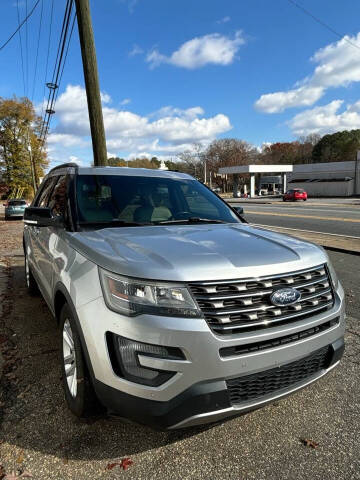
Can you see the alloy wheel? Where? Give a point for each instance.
(69, 358)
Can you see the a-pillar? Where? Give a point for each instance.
(284, 186)
(252, 185)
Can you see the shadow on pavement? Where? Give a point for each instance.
(36, 417)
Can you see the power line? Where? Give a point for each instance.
(37, 50)
(53, 86)
(66, 53)
(21, 48)
(27, 48)
(47, 56)
(21, 24)
(61, 56)
(325, 25)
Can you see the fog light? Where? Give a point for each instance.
(128, 365)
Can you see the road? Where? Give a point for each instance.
(327, 218)
(38, 434)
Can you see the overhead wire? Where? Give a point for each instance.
(21, 47)
(55, 75)
(61, 56)
(47, 56)
(37, 50)
(66, 53)
(20, 25)
(26, 48)
(325, 25)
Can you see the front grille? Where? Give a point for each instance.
(237, 306)
(237, 350)
(251, 387)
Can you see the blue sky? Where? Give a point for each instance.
(180, 71)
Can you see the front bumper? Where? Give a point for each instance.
(200, 404)
(14, 214)
(198, 393)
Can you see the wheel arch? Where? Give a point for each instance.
(62, 297)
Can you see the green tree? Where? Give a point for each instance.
(116, 162)
(20, 131)
(337, 147)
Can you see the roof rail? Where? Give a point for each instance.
(64, 165)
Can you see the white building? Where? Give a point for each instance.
(332, 179)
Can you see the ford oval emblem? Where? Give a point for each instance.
(285, 296)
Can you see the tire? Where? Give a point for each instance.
(305, 199)
(284, 200)
(79, 392)
(30, 281)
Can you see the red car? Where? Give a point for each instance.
(295, 194)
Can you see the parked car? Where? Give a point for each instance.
(15, 208)
(295, 194)
(172, 311)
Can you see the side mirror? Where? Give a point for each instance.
(239, 210)
(41, 217)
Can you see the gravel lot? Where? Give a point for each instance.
(39, 435)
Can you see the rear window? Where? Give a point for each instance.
(16, 203)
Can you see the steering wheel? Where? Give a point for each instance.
(182, 215)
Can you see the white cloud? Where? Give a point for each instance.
(279, 101)
(338, 65)
(170, 111)
(65, 139)
(224, 20)
(136, 50)
(169, 130)
(326, 119)
(213, 49)
(126, 101)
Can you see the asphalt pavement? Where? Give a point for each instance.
(332, 218)
(39, 435)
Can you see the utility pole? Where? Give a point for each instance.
(88, 54)
(31, 159)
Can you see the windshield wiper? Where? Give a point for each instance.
(191, 220)
(113, 223)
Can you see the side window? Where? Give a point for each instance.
(58, 199)
(197, 203)
(43, 198)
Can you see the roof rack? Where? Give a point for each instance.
(64, 165)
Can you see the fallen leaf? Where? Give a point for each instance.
(126, 463)
(309, 443)
(20, 458)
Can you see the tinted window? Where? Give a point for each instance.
(58, 198)
(43, 198)
(16, 203)
(107, 198)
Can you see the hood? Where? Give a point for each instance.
(195, 252)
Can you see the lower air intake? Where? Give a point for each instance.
(251, 387)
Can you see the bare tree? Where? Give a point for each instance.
(228, 152)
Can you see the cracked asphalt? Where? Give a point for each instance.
(38, 434)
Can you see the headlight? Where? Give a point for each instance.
(133, 297)
(333, 275)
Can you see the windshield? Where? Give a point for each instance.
(135, 200)
(16, 203)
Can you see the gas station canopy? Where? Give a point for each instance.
(252, 169)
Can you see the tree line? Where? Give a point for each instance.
(23, 159)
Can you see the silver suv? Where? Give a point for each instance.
(172, 310)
